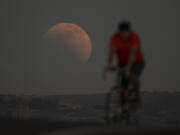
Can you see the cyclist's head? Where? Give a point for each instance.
(124, 28)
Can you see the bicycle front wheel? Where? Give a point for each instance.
(113, 109)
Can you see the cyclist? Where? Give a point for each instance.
(125, 44)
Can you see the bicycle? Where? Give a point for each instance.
(114, 112)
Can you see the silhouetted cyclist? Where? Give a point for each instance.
(126, 45)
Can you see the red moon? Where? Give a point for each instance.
(72, 37)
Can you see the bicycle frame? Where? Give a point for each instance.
(114, 109)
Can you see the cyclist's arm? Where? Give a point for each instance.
(132, 57)
(111, 56)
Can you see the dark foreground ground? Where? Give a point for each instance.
(43, 127)
(35, 127)
(84, 115)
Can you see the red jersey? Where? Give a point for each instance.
(123, 47)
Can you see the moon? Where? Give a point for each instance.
(71, 36)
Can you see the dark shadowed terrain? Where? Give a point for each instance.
(84, 114)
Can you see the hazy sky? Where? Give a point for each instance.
(30, 65)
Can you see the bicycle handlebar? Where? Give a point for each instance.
(105, 71)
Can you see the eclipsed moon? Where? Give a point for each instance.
(72, 37)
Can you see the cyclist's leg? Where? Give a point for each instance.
(124, 91)
(135, 80)
(135, 74)
(119, 83)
